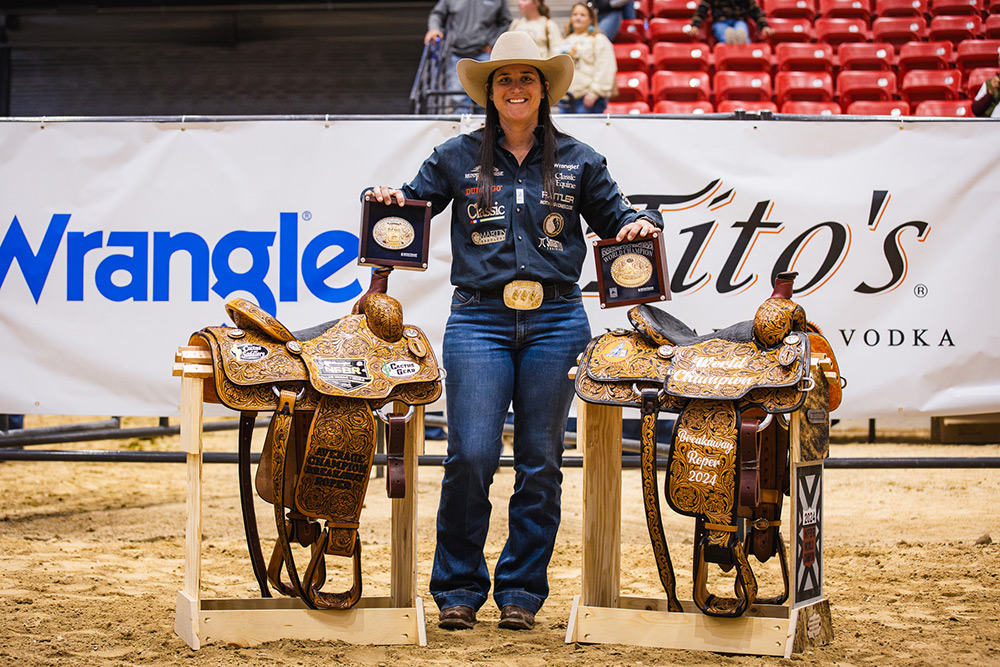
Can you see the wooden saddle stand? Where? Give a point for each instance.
(729, 464)
(323, 387)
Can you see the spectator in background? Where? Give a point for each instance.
(729, 20)
(594, 57)
(471, 28)
(611, 13)
(535, 20)
(985, 103)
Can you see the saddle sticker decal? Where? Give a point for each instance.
(393, 233)
(249, 352)
(344, 373)
(619, 348)
(400, 369)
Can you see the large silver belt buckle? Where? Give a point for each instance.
(523, 294)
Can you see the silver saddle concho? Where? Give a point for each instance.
(322, 386)
(728, 459)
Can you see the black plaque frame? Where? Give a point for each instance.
(413, 256)
(655, 288)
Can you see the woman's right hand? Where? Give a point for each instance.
(386, 194)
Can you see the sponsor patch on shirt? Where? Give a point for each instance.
(489, 236)
(553, 224)
(550, 244)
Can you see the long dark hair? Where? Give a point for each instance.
(487, 152)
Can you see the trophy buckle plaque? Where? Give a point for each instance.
(632, 272)
(393, 235)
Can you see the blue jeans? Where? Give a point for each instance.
(575, 105)
(496, 357)
(459, 104)
(719, 28)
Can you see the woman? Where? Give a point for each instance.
(517, 188)
(985, 103)
(535, 20)
(594, 57)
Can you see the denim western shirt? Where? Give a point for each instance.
(527, 234)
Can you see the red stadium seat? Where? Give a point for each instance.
(855, 85)
(973, 53)
(632, 87)
(845, 9)
(791, 30)
(993, 6)
(632, 30)
(945, 108)
(898, 30)
(680, 86)
(839, 31)
(803, 86)
(956, 7)
(923, 55)
(667, 106)
(670, 30)
(734, 85)
(791, 9)
(901, 8)
(930, 84)
(974, 81)
(954, 28)
(643, 8)
(744, 57)
(811, 108)
(729, 106)
(991, 27)
(802, 57)
(673, 9)
(682, 57)
(627, 107)
(632, 57)
(869, 56)
(878, 108)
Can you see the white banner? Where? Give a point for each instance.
(119, 239)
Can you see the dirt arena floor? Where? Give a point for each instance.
(92, 559)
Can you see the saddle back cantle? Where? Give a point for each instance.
(729, 458)
(324, 386)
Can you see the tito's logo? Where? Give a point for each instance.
(830, 241)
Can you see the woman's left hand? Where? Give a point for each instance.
(641, 228)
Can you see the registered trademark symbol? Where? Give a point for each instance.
(306, 215)
(920, 291)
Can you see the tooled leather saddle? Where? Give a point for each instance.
(323, 385)
(729, 459)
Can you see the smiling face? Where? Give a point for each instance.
(580, 18)
(517, 92)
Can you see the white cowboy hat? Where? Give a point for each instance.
(513, 48)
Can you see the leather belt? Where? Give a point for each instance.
(549, 291)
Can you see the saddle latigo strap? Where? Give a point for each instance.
(651, 498)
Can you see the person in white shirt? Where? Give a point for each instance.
(535, 19)
(594, 56)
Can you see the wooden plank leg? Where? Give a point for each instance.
(186, 622)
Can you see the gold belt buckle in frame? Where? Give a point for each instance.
(522, 294)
